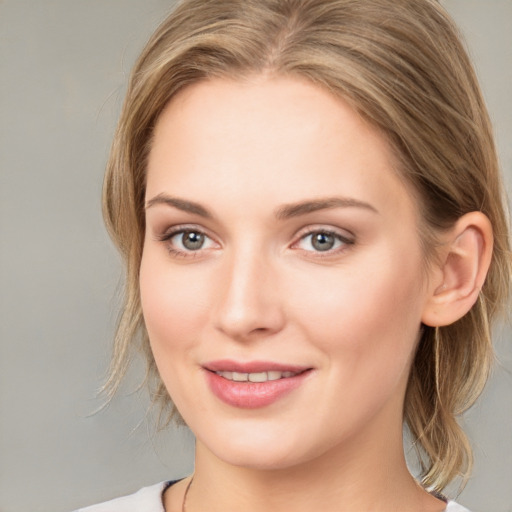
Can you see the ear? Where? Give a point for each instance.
(465, 258)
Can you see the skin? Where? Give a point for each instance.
(258, 289)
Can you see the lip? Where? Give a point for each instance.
(228, 365)
(253, 395)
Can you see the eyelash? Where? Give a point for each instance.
(180, 230)
(344, 240)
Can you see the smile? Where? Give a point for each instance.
(251, 385)
(256, 377)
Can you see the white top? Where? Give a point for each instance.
(149, 499)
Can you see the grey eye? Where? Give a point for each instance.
(323, 241)
(192, 240)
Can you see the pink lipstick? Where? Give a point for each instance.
(254, 384)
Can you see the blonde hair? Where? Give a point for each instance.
(401, 64)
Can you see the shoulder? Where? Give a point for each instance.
(455, 507)
(148, 499)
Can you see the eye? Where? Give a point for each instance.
(182, 241)
(323, 241)
(189, 240)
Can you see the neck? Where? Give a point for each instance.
(362, 475)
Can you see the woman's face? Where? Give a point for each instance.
(282, 279)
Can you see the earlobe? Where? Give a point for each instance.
(464, 265)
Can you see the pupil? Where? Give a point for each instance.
(323, 241)
(193, 240)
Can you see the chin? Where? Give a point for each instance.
(268, 459)
(264, 448)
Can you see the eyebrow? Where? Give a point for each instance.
(283, 212)
(305, 207)
(181, 204)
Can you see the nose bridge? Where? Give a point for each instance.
(248, 301)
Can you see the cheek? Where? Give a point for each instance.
(366, 318)
(366, 327)
(175, 313)
(174, 306)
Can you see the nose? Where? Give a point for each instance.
(249, 304)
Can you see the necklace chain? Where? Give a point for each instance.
(184, 504)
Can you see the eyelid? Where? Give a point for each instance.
(344, 234)
(171, 231)
(346, 237)
(166, 235)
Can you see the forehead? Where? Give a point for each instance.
(273, 138)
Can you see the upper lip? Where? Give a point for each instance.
(228, 365)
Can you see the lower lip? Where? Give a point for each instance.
(252, 395)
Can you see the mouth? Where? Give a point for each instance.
(255, 384)
(256, 376)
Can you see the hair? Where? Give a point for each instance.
(400, 64)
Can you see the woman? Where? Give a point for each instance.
(307, 197)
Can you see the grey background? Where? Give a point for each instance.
(63, 68)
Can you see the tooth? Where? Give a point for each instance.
(258, 377)
(255, 377)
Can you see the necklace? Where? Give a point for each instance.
(183, 505)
